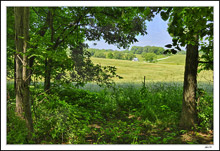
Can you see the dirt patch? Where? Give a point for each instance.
(197, 137)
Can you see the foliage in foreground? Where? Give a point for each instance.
(120, 115)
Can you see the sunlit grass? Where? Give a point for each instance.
(174, 60)
(170, 69)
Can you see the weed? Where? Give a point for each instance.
(126, 114)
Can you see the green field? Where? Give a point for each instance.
(170, 69)
(174, 60)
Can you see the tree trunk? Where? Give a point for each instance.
(48, 61)
(23, 107)
(41, 33)
(15, 73)
(189, 113)
(47, 74)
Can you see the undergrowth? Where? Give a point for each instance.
(118, 115)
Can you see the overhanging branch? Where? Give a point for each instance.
(205, 61)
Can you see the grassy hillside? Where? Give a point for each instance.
(170, 69)
(174, 60)
(142, 59)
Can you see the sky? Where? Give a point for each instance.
(157, 36)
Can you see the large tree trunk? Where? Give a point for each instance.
(23, 107)
(189, 112)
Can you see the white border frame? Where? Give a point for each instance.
(5, 4)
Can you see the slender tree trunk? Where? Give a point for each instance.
(48, 61)
(41, 33)
(47, 74)
(23, 107)
(15, 73)
(189, 113)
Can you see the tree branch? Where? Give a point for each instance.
(20, 59)
(205, 61)
(58, 41)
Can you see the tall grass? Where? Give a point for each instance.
(125, 114)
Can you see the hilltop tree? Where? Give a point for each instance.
(189, 26)
(118, 55)
(99, 54)
(149, 56)
(129, 56)
(110, 55)
(147, 49)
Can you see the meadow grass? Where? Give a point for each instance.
(167, 70)
(140, 58)
(170, 69)
(174, 60)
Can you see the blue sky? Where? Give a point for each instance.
(157, 36)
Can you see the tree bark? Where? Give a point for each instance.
(47, 74)
(15, 72)
(23, 108)
(189, 112)
(48, 61)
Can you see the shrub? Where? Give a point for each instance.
(150, 57)
(16, 127)
(57, 121)
(205, 110)
(110, 55)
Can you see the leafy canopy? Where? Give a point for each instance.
(184, 24)
(53, 30)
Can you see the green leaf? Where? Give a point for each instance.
(147, 11)
(177, 47)
(174, 41)
(173, 51)
(20, 37)
(168, 45)
(165, 52)
(164, 16)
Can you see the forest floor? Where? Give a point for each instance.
(158, 135)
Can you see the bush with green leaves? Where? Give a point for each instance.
(16, 128)
(150, 57)
(56, 121)
(205, 110)
(124, 114)
(92, 101)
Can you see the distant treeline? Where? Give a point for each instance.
(111, 54)
(150, 49)
(147, 49)
(126, 54)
